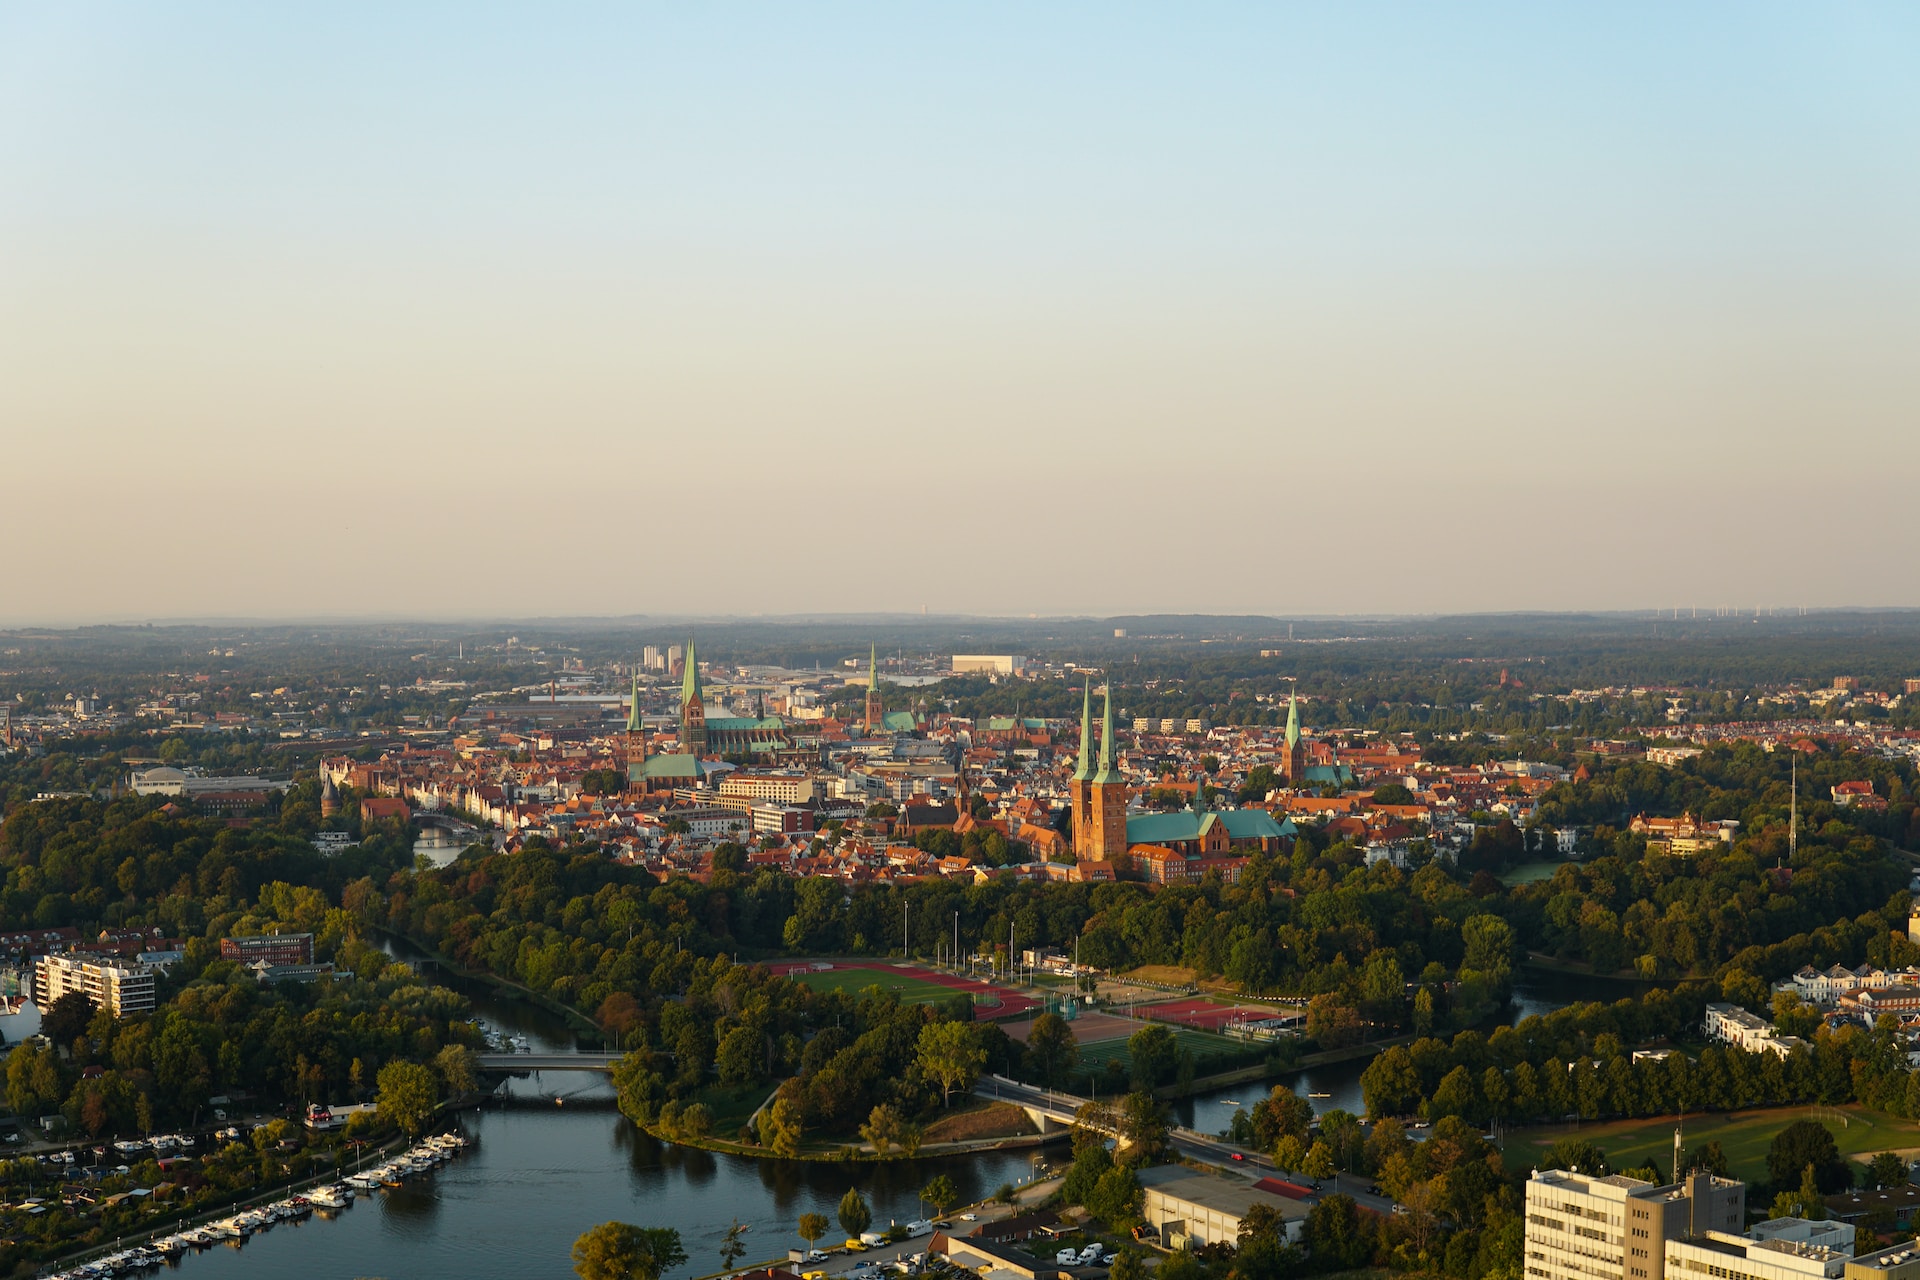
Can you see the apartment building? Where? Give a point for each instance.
(1730, 1024)
(121, 986)
(1618, 1228)
(780, 788)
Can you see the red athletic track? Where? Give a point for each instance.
(1012, 1004)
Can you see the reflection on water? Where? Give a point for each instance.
(1532, 994)
(540, 1175)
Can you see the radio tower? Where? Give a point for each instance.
(1793, 809)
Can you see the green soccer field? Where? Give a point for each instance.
(1101, 1052)
(911, 990)
(1743, 1135)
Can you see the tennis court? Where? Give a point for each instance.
(1205, 1015)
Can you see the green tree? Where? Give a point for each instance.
(1155, 1056)
(951, 1056)
(812, 1226)
(739, 1058)
(1806, 1201)
(780, 1128)
(622, 1251)
(1577, 1155)
(1887, 1170)
(1052, 1050)
(459, 1069)
(1116, 1198)
(882, 1129)
(1802, 1144)
(66, 1019)
(407, 1094)
(940, 1193)
(1129, 1265)
(854, 1213)
(732, 1246)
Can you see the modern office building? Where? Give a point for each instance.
(274, 948)
(1618, 1228)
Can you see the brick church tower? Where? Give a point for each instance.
(1080, 789)
(636, 739)
(1293, 765)
(1107, 798)
(693, 709)
(876, 714)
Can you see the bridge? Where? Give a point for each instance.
(519, 1062)
(1050, 1111)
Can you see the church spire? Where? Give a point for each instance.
(1293, 720)
(1084, 772)
(1106, 774)
(633, 711)
(690, 683)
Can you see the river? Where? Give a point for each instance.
(541, 1174)
(1534, 992)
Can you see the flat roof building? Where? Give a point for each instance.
(1190, 1207)
(120, 986)
(1580, 1227)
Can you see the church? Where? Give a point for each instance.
(1103, 831)
(702, 737)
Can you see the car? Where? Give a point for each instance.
(1373, 1188)
(941, 1224)
(1400, 1208)
(969, 1217)
(813, 1275)
(1067, 1258)
(1236, 1156)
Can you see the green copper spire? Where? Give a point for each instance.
(1293, 720)
(633, 712)
(1084, 772)
(690, 686)
(1106, 773)
(873, 667)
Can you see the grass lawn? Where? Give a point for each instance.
(980, 1120)
(1529, 872)
(731, 1106)
(1101, 1052)
(911, 990)
(1743, 1135)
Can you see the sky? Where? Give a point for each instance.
(486, 310)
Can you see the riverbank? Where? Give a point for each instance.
(209, 1213)
(577, 1022)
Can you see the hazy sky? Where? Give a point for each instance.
(1046, 308)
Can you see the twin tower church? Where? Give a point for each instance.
(1104, 832)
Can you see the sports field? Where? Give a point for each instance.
(911, 983)
(1208, 1015)
(1743, 1135)
(1101, 1052)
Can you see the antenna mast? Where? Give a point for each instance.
(1793, 808)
